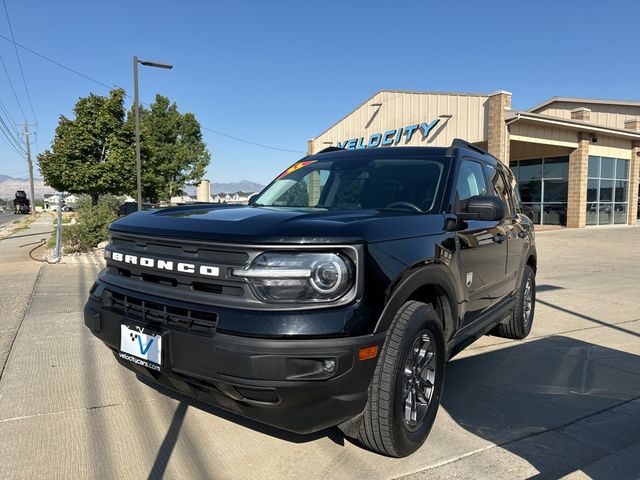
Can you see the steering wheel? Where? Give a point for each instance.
(404, 204)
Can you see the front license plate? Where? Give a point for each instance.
(138, 345)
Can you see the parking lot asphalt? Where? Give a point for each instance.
(564, 402)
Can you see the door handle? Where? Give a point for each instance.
(499, 238)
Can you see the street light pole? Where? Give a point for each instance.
(136, 112)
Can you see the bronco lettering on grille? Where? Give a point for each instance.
(182, 267)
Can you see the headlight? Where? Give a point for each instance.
(279, 277)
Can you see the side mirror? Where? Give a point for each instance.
(252, 198)
(488, 208)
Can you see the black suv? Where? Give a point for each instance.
(334, 298)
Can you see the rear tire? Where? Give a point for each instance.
(404, 394)
(519, 324)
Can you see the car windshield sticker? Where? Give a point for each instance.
(295, 167)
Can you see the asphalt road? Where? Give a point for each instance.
(8, 217)
(564, 402)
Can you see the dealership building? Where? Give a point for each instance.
(577, 160)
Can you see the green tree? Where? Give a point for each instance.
(91, 153)
(172, 151)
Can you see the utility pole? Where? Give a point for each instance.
(30, 163)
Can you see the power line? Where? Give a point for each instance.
(24, 82)
(250, 142)
(12, 142)
(6, 72)
(98, 82)
(44, 57)
(6, 112)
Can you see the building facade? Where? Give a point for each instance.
(577, 160)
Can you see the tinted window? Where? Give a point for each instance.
(499, 186)
(470, 181)
(358, 183)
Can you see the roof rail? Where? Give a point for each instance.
(330, 149)
(458, 142)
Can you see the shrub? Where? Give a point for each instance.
(92, 224)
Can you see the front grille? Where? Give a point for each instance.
(176, 284)
(138, 308)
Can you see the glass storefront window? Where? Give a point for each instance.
(555, 190)
(607, 167)
(594, 167)
(554, 214)
(607, 191)
(620, 213)
(622, 169)
(530, 170)
(556, 168)
(543, 184)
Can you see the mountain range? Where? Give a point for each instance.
(9, 185)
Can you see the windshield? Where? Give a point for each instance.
(359, 183)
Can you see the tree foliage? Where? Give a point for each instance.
(173, 153)
(94, 153)
(90, 153)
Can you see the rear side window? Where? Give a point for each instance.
(470, 183)
(499, 186)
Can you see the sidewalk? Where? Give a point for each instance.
(17, 279)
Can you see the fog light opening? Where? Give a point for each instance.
(329, 366)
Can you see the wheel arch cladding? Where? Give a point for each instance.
(430, 285)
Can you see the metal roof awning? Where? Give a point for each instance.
(578, 125)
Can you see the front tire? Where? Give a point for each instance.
(405, 392)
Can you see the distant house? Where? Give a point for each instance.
(51, 201)
(181, 199)
(237, 198)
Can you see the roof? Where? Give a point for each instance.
(596, 101)
(516, 115)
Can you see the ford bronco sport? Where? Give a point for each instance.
(334, 298)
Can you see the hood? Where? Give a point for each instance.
(248, 224)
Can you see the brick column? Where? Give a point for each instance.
(581, 113)
(578, 173)
(633, 183)
(498, 134)
(310, 147)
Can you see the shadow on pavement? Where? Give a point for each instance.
(586, 317)
(164, 453)
(539, 400)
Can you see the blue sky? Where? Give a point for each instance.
(278, 73)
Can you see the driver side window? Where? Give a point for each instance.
(470, 183)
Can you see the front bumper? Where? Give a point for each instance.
(279, 382)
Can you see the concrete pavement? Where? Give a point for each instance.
(17, 279)
(564, 402)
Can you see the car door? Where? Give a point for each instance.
(512, 227)
(483, 249)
